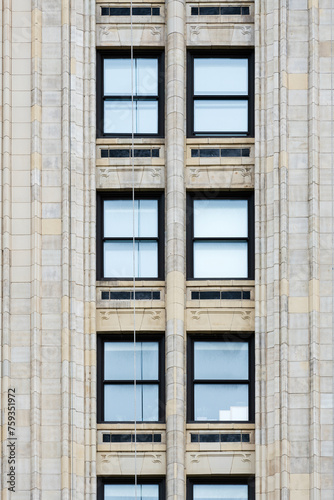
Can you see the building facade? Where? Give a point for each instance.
(207, 152)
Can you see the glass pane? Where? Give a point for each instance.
(147, 117)
(221, 402)
(150, 402)
(118, 218)
(221, 116)
(221, 360)
(149, 361)
(220, 491)
(220, 218)
(221, 259)
(117, 77)
(149, 492)
(127, 492)
(147, 260)
(119, 361)
(220, 76)
(118, 259)
(119, 403)
(147, 77)
(117, 117)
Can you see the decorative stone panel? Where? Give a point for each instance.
(220, 34)
(220, 319)
(220, 463)
(118, 35)
(119, 177)
(148, 463)
(122, 320)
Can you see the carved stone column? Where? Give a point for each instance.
(175, 249)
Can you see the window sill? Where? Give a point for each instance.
(219, 426)
(154, 426)
(128, 284)
(220, 140)
(221, 283)
(127, 140)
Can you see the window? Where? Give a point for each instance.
(115, 241)
(124, 489)
(220, 94)
(116, 397)
(115, 72)
(221, 379)
(220, 241)
(221, 489)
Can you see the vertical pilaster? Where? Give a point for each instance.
(175, 249)
(6, 146)
(281, 133)
(262, 164)
(89, 248)
(314, 240)
(78, 251)
(66, 337)
(272, 252)
(36, 248)
(293, 326)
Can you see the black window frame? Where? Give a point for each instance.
(128, 337)
(103, 480)
(100, 239)
(222, 195)
(226, 54)
(221, 337)
(100, 98)
(223, 479)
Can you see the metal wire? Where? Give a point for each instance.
(133, 250)
(332, 179)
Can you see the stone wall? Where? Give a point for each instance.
(51, 307)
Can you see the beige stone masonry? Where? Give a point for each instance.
(152, 35)
(223, 177)
(121, 320)
(220, 463)
(50, 303)
(148, 463)
(219, 319)
(293, 325)
(219, 34)
(121, 177)
(220, 315)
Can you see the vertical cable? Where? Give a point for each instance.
(332, 179)
(133, 249)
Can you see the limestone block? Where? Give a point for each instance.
(220, 319)
(216, 34)
(120, 35)
(213, 177)
(123, 463)
(121, 177)
(207, 463)
(121, 320)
